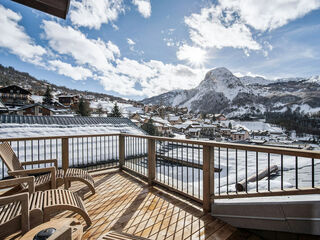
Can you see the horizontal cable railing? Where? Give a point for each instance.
(200, 170)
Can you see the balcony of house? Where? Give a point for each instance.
(162, 188)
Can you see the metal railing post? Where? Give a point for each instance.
(208, 177)
(151, 161)
(65, 153)
(121, 151)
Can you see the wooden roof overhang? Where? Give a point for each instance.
(58, 8)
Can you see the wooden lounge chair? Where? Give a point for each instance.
(27, 210)
(50, 178)
(16, 210)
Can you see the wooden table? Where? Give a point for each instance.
(60, 225)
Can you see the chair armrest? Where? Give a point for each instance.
(54, 161)
(23, 198)
(13, 182)
(35, 171)
(65, 233)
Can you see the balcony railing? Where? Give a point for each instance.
(201, 170)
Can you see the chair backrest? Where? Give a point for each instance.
(9, 158)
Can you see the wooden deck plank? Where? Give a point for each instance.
(126, 205)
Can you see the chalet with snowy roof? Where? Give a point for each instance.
(68, 99)
(193, 133)
(34, 110)
(225, 132)
(14, 95)
(240, 135)
(220, 117)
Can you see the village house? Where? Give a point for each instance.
(239, 135)
(193, 133)
(226, 132)
(68, 99)
(15, 96)
(34, 110)
(220, 117)
(135, 116)
(174, 119)
(207, 130)
(149, 108)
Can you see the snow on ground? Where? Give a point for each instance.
(108, 105)
(305, 108)
(36, 98)
(188, 178)
(254, 126)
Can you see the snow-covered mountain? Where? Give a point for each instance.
(223, 92)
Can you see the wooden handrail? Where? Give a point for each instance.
(253, 148)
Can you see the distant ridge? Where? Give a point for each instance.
(223, 92)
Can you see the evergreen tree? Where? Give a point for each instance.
(115, 111)
(84, 108)
(150, 128)
(47, 97)
(230, 125)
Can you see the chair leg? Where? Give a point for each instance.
(67, 184)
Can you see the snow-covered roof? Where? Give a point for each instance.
(194, 130)
(173, 118)
(13, 126)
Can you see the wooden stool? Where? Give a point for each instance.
(66, 228)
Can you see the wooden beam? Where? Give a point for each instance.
(65, 153)
(58, 8)
(122, 143)
(151, 161)
(207, 155)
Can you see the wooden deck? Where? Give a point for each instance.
(124, 204)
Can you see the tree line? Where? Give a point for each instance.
(293, 120)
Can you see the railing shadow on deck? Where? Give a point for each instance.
(159, 215)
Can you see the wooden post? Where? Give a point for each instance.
(65, 153)
(151, 161)
(121, 151)
(212, 171)
(208, 172)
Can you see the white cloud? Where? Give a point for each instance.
(153, 77)
(266, 15)
(230, 23)
(144, 7)
(94, 52)
(211, 29)
(16, 40)
(130, 41)
(194, 55)
(76, 73)
(93, 13)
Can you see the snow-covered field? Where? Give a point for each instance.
(254, 126)
(124, 107)
(189, 179)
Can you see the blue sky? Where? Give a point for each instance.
(140, 48)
